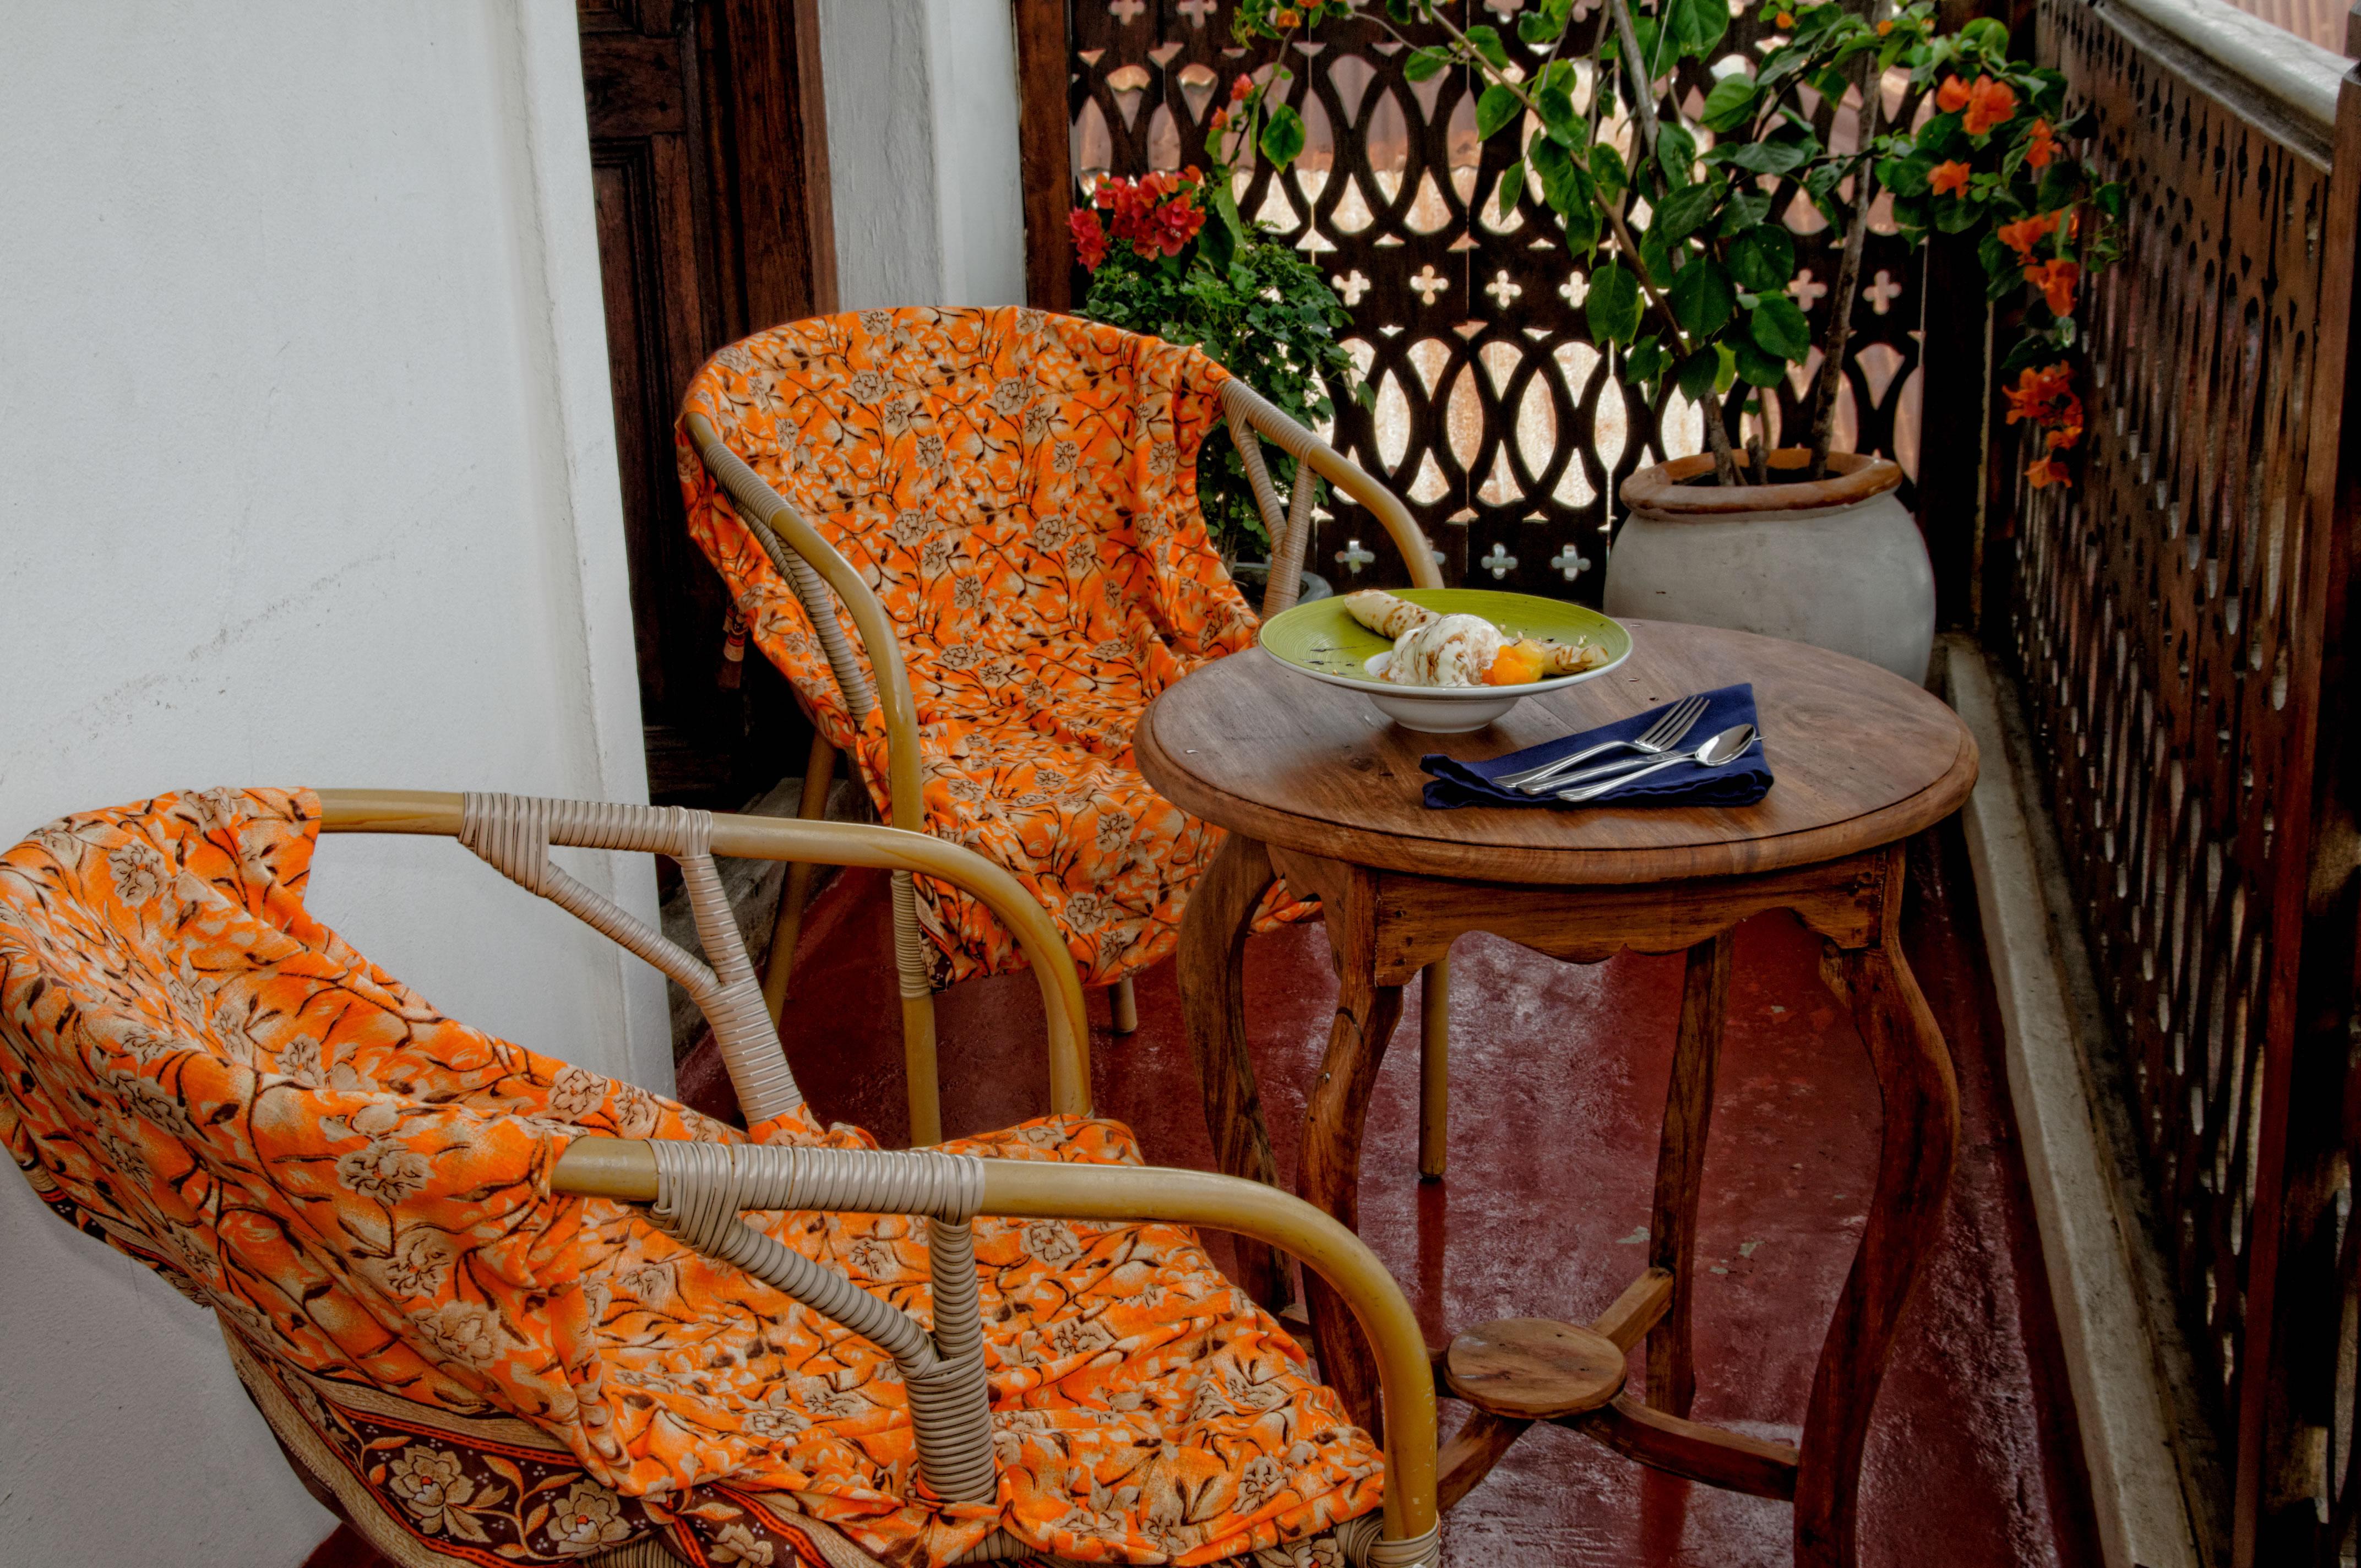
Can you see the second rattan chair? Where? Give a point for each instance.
(971, 540)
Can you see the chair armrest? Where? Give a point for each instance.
(832, 843)
(626, 1169)
(1247, 408)
(758, 502)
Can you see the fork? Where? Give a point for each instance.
(1661, 736)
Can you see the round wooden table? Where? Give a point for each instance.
(1317, 787)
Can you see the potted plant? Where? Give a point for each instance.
(1689, 270)
(1171, 254)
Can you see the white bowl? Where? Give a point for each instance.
(1445, 710)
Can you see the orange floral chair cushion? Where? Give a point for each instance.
(1020, 491)
(200, 1073)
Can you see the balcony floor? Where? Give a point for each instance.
(1559, 1080)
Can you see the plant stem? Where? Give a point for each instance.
(1644, 104)
(1840, 304)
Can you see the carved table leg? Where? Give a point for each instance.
(1328, 1172)
(1914, 1173)
(1680, 1166)
(1213, 991)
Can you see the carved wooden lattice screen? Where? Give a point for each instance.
(1495, 416)
(2170, 618)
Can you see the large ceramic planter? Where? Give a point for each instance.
(1837, 563)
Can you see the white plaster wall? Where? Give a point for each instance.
(307, 475)
(922, 102)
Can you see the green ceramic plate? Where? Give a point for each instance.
(1323, 641)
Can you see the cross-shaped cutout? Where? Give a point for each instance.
(1353, 557)
(1807, 292)
(1503, 289)
(1499, 563)
(1196, 11)
(1125, 11)
(1882, 294)
(1429, 283)
(1575, 289)
(1353, 285)
(1569, 562)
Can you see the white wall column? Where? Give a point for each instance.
(923, 152)
(310, 478)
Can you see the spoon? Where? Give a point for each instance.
(1725, 748)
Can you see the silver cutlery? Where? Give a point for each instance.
(1668, 732)
(1723, 749)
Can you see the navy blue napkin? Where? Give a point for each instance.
(1742, 783)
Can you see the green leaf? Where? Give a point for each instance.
(1487, 44)
(1646, 361)
(1555, 106)
(1749, 267)
(1959, 217)
(1778, 250)
(1512, 186)
(1730, 104)
(1675, 153)
(1656, 257)
(1424, 64)
(1757, 368)
(1725, 369)
(1747, 207)
(1778, 327)
(1552, 162)
(1612, 306)
(2109, 199)
(1539, 29)
(1581, 223)
(1765, 156)
(1607, 172)
(1684, 212)
(1496, 108)
(1698, 372)
(1941, 136)
(1282, 135)
(1708, 24)
(1702, 297)
(1904, 176)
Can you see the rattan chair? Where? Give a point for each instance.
(801, 420)
(176, 1029)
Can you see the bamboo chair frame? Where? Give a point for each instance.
(815, 568)
(696, 1190)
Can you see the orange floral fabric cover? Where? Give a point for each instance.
(1020, 491)
(200, 1073)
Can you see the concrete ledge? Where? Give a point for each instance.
(2092, 1244)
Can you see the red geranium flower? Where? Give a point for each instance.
(1090, 239)
(2041, 147)
(1952, 96)
(1949, 179)
(1989, 103)
(2055, 279)
(2022, 235)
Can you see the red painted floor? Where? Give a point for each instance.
(1557, 1084)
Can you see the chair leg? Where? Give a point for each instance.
(1122, 1006)
(788, 926)
(1434, 1068)
(918, 1016)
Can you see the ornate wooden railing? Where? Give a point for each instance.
(1495, 415)
(2179, 622)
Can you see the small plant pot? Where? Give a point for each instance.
(1838, 563)
(1253, 576)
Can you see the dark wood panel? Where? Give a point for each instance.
(1467, 319)
(709, 162)
(2180, 620)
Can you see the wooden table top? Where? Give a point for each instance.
(1860, 757)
